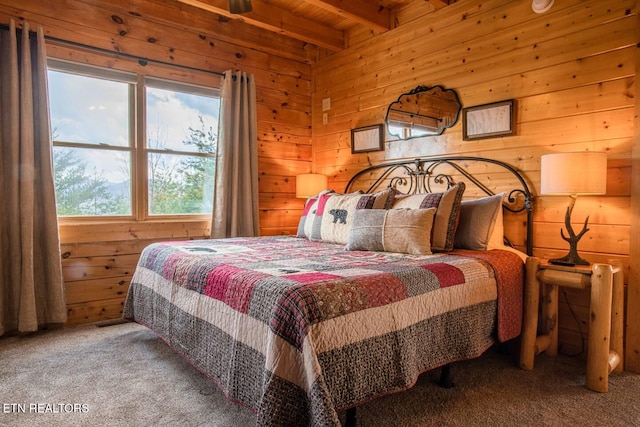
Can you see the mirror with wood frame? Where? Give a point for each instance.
(424, 111)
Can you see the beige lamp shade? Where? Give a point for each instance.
(583, 173)
(310, 184)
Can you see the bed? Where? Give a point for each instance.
(356, 306)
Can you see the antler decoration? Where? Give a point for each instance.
(572, 257)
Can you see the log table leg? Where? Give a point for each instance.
(617, 314)
(599, 328)
(550, 317)
(605, 345)
(530, 316)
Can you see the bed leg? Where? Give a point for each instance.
(352, 418)
(446, 381)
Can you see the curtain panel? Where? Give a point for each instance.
(235, 207)
(32, 289)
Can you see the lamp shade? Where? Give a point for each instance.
(574, 173)
(310, 184)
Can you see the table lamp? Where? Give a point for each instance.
(573, 174)
(310, 184)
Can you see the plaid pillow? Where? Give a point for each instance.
(334, 213)
(447, 216)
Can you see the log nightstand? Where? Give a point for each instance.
(605, 345)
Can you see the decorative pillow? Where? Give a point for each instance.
(334, 213)
(447, 216)
(478, 220)
(308, 213)
(405, 231)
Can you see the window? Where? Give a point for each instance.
(128, 145)
(93, 145)
(181, 145)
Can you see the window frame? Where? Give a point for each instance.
(137, 147)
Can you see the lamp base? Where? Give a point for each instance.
(572, 258)
(569, 260)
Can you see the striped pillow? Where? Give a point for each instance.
(405, 231)
(334, 213)
(447, 216)
(308, 213)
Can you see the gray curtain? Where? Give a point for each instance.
(235, 208)
(32, 290)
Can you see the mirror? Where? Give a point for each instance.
(425, 111)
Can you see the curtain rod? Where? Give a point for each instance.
(142, 61)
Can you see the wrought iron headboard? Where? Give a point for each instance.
(422, 174)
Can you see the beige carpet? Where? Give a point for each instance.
(123, 375)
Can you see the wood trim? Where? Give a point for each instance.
(360, 11)
(633, 296)
(141, 174)
(277, 20)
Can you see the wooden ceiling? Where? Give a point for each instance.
(322, 23)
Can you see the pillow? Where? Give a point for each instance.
(308, 213)
(447, 214)
(334, 213)
(478, 219)
(496, 240)
(405, 231)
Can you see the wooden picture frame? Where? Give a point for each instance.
(367, 138)
(488, 120)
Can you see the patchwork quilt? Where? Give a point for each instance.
(299, 331)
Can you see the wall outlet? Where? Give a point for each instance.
(325, 118)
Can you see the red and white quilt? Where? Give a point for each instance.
(299, 330)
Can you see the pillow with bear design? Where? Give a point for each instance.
(334, 213)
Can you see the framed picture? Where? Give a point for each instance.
(368, 138)
(488, 120)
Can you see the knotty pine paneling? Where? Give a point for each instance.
(108, 288)
(94, 311)
(571, 72)
(98, 261)
(78, 234)
(100, 257)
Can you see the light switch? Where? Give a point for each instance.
(326, 104)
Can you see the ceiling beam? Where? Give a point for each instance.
(278, 20)
(439, 4)
(363, 12)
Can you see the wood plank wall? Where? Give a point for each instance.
(99, 257)
(571, 72)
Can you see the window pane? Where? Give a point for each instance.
(187, 123)
(181, 121)
(180, 184)
(88, 110)
(92, 181)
